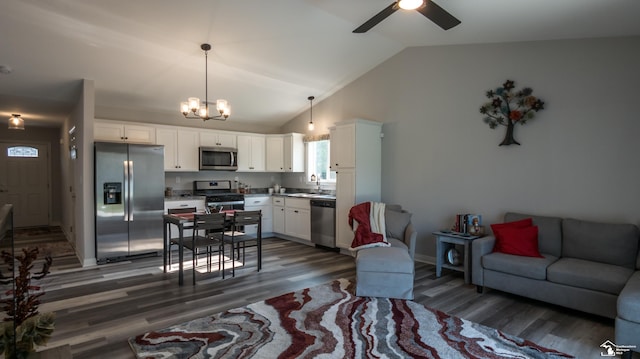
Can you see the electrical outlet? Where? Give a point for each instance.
(178, 179)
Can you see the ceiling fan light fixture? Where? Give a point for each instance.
(410, 4)
(16, 122)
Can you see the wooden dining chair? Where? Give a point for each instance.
(208, 235)
(175, 241)
(239, 239)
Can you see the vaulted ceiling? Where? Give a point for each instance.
(268, 56)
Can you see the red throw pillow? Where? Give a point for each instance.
(518, 241)
(498, 227)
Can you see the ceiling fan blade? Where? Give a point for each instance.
(438, 15)
(377, 18)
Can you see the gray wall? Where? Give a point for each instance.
(578, 158)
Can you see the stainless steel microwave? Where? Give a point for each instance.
(218, 158)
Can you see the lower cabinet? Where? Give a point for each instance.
(292, 217)
(278, 215)
(260, 203)
(198, 204)
(297, 218)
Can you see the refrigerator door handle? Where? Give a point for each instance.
(131, 194)
(126, 191)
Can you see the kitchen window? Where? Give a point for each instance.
(318, 160)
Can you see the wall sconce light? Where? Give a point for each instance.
(311, 126)
(16, 122)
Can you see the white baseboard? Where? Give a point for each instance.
(425, 259)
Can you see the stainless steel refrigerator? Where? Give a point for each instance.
(129, 198)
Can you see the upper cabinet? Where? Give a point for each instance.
(121, 132)
(285, 153)
(275, 153)
(293, 153)
(343, 146)
(251, 153)
(217, 139)
(180, 148)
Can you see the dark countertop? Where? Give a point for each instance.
(185, 198)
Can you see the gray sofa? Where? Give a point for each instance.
(589, 266)
(389, 271)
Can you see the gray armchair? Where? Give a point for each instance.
(388, 272)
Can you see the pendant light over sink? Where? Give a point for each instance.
(194, 108)
(311, 126)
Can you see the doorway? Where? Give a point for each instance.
(24, 182)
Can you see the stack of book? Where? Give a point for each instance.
(464, 221)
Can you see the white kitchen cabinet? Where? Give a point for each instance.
(358, 165)
(260, 203)
(198, 203)
(345, 199)
(343, 146)
(251, 153)
(275, 153)
(180, 149)
(293, 152)
(297, 218)
(113, 131)
(172, 203)
(278, 214)
(285, 153)
(217, 139)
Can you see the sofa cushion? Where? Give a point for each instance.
(549, 231)
(528, 267)
(384, 259)
(517, 241)
(589, 275)
(397, 243)
(628, 303)
(396, 221)
(615, 244)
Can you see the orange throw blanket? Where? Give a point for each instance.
(364, 237)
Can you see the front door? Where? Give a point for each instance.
(24, 182)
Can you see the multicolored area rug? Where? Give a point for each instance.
(328, 321)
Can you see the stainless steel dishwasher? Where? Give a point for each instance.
(323, 222)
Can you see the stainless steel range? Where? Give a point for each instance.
(219, 194)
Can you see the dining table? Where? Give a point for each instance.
(182, 221)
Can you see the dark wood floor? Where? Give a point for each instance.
(98, 308)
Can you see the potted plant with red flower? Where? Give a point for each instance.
(508, 107)
(24, 327)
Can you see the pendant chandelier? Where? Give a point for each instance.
(16, 122)
(194, 108)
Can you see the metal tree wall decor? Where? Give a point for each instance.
(507, 107)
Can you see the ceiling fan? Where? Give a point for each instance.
(427, 8)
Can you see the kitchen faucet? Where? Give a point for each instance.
(315, 179)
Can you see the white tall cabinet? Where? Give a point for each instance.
(356, 156)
